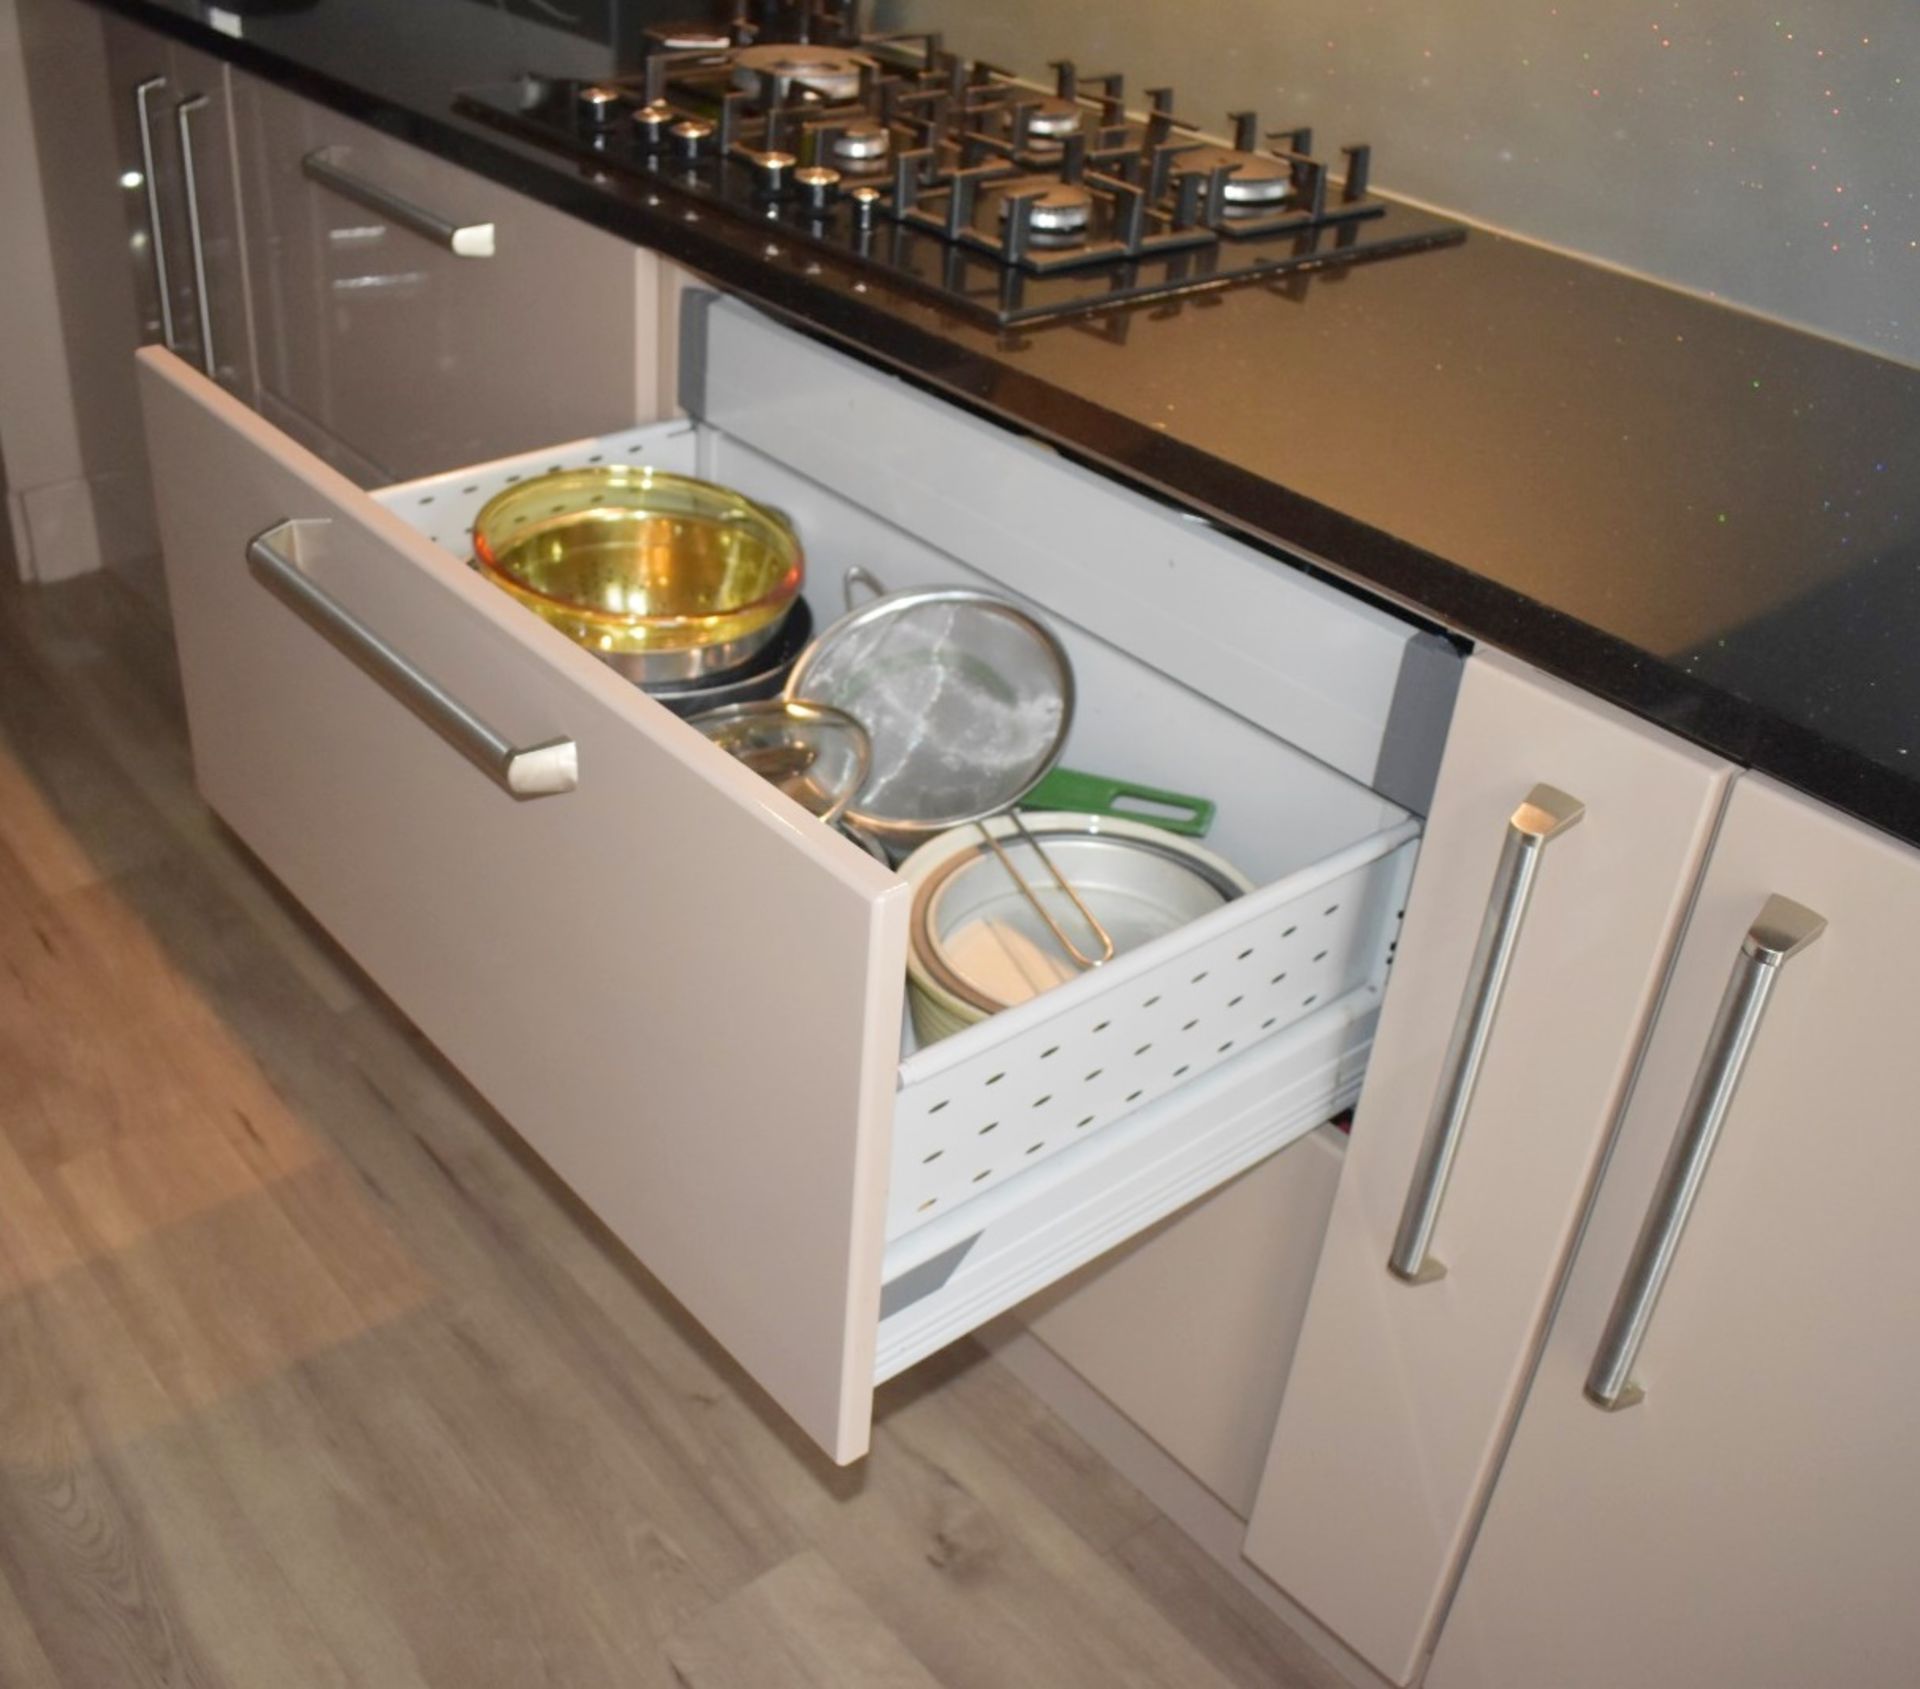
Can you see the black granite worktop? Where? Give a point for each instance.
(1697, 514)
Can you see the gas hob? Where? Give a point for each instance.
(948, 176)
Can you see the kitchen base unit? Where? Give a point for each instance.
(1562, 848)
(71, 460)
(1188, 1330)
(1745, 1303)
(682, 990)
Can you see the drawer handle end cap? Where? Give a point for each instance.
(475, 240)
(542, 771)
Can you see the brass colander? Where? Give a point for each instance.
(664, 576)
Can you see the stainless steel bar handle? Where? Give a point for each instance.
(182, 115)
(156, 240)
(1782, 930)
(1544, 816)
(533, 771)
(463, 240)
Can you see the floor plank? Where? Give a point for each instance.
(23, 1662)
(796, 1627)
(1250, 1646)
(309, 1375)
(107, 654)
(95, 1581)
(950, 1548)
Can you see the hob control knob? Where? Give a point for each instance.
(690, 137)
(651, 123)
(865, 201)
(772, 171)
(819, 184)
(599, 104)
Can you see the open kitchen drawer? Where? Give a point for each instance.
(683, 991)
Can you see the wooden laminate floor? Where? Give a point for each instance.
(309, 1377)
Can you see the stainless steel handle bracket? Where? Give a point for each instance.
(156, 236)
(463, 240)
(531, 771)
(197, 250)
(1543, 816)
(860, 578)
(1780, 932)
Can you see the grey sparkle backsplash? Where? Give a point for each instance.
(1766, 155)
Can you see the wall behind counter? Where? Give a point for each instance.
(1764, 155)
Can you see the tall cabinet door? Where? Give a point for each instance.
(1564, 841)
(173, 131)
(217, 334)
(1753, 1517)
(144, 93)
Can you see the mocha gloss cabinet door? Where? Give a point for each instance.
(582, 927)
(141, 89)
(174, 136)
(1404, 1384)
(413, 314)
(1754, 1518)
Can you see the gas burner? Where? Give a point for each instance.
(1051, 121)
(861, 147)
(955, 179)
(1060, 210)
(1257, 181)
(795, 69)
(685, 37)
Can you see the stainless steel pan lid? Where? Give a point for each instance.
(966, 698)
(812, 752)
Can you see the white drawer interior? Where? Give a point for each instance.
(1033, 1140)
(1280, 809)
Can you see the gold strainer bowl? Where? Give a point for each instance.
(664, 576)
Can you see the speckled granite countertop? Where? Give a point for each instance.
(1696, 514)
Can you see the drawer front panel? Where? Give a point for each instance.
(1401, 1394)
(336, 454)
(410, 354)
(679, 988)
